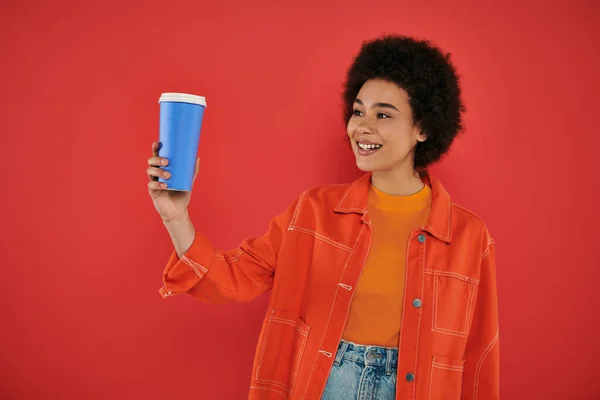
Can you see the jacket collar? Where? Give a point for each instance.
(439, 224)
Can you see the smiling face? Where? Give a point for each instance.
(381, 129)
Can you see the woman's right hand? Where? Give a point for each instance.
(170, 204)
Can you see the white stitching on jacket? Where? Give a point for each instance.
(297, 210)
(230, 261)
(453, 274)
(198, 269)
(480, 363)
(319, 236)
(448, 367)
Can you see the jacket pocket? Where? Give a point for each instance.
(282, 350)
(454, 298)
(445, 382)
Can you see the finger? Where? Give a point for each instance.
(154, 173)
(154, 185)
(155, 148)
(155, 160)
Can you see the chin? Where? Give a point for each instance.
(367, 166)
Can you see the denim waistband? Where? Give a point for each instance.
(367, 355)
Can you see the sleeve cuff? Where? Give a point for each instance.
(182, 274)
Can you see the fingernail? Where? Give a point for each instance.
(163, 185)
(163, 162)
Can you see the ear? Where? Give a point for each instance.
(421, 136)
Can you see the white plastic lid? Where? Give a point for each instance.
(183, 98)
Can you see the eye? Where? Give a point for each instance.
(357, 113)
(382, 115)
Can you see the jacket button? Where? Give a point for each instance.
(410, 377)
(421, 238)
(417, 303)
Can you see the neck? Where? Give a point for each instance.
(397, 182)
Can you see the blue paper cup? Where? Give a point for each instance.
(179, 134)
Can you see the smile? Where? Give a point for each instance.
(367, 149)
(369, 146)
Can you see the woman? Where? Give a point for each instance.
(381, 289)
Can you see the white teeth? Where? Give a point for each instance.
(369, 146)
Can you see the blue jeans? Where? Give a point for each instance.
(362, 373)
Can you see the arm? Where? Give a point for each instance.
(482, 359)
(241, 274)
(182, 232)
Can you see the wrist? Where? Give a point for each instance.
(182, 232)
(181, 217)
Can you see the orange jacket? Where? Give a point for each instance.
(312, 257)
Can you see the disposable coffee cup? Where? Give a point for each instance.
(179, 135)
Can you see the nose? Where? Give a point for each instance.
(364, 128)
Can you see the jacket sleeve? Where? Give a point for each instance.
(239, 274)
(482, 359)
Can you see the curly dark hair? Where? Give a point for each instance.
(429, 78)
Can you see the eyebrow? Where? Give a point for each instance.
(378, 105)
